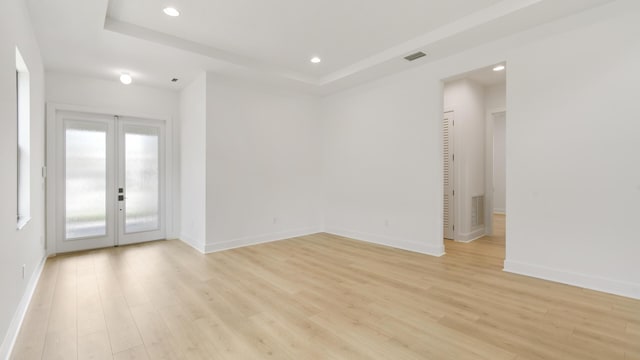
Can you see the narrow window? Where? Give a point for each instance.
(23, 162)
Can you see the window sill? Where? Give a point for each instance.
(23, 222)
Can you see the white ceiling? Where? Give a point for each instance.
(272, 40)
(287, 33)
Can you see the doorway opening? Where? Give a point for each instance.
(474, 161)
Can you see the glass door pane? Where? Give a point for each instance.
(85, 180)
(142, 179)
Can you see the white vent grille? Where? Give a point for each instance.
(477, 210)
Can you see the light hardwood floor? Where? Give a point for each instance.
(316, 297)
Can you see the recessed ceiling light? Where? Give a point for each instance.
(316, 60)
(125, 78)
(171, 11)
(498, 68)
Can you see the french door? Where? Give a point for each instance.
(111, 181)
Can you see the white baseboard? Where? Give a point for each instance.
(190, 242)
(616, 287)
(469, 237)
(433, 250)
(259, 239)
(16, 323)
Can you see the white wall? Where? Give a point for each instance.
(573, 140)
(263, 178)
(26, 246)
(193, 125)
(495, 97)
(499, 163)
(570, 166)
(467, 100)
(495, 100)
(112, 97)
(381, 163)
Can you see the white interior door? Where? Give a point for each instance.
(449, 192)
(111, 181)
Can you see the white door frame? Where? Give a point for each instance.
(488, 173)
(53, 184)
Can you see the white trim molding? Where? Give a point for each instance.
(403, 244)
(617, 287)
(187, 240)
(259, 239)
(471, 236)
(18, 317)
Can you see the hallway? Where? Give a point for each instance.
(488, 250)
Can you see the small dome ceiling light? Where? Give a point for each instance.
(125, 78)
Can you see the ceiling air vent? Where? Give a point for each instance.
(415, 56)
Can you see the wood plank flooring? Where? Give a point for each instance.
(316, 297)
